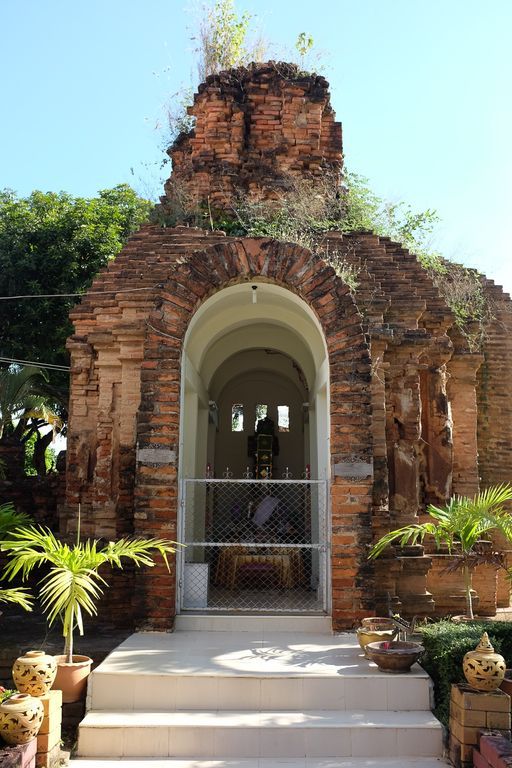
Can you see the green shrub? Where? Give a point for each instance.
(446, 643)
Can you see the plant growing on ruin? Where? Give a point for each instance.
(71, 583)
(222, 39)
(458, 526)
(10, 519)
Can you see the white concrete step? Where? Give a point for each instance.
(249, 670)
(221, 735)
(172, 693)
(262, 624)
(349, 762)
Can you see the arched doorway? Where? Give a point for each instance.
(254, 453)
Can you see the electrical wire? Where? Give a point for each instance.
(50, 366)
(85, 293)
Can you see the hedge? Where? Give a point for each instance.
(446, 643)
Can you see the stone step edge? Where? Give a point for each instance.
(262, 719)
(417, 673)
(261, 762)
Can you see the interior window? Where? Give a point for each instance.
(261, 412)
(237, 417)
(283, 418)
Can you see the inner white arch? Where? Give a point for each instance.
(255, 332)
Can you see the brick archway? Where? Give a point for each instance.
(198, 277)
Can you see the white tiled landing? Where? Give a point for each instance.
(255, 695)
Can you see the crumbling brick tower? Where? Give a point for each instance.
(257, 131)
(413, 414)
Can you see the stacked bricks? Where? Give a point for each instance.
(258, 130)
(21, 756)
(495, 751)
(49, 736)
(472, 712)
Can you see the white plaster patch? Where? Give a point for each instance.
(156, 456)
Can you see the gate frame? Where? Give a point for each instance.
(323, 547)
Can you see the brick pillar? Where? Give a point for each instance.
(471, 712)
(403, 432)
(436, 428)
(461, 389)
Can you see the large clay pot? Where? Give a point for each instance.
(483, 668)
(395, 655)
(34, 673)
(377, 623)
(71, 677)
(21, 716)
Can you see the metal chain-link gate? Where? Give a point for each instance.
(253, 545)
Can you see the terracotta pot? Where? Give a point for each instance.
(34, 672)
(71, 678)
(483, 668)
(21, 716)
(394, 655)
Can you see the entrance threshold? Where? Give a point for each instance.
(209, 623)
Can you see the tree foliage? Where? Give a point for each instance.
(28, 405)
(54, 243)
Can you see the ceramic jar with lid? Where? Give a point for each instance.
(34, 672)
(483, 668)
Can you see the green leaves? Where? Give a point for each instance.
(55, 243)
(10, 519)
(17, 595)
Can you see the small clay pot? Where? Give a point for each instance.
(34, 672)
(366, 635)
(483, 668)
(21, 716)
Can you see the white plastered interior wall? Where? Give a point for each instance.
(221, 333)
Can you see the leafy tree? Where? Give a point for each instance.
(55, 244)
(28, 403)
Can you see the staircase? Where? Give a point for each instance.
(247, 692)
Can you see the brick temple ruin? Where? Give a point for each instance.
(190, 335)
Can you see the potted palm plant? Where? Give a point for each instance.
(459, 526)
(71, 584)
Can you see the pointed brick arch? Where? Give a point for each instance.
(195, 279)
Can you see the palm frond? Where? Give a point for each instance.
(10, 519)
(17, 595)
(408, 534)
(73, 585)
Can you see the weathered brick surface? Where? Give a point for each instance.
(405, 393)
(256, 130)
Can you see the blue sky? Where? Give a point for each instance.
(422, 88)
